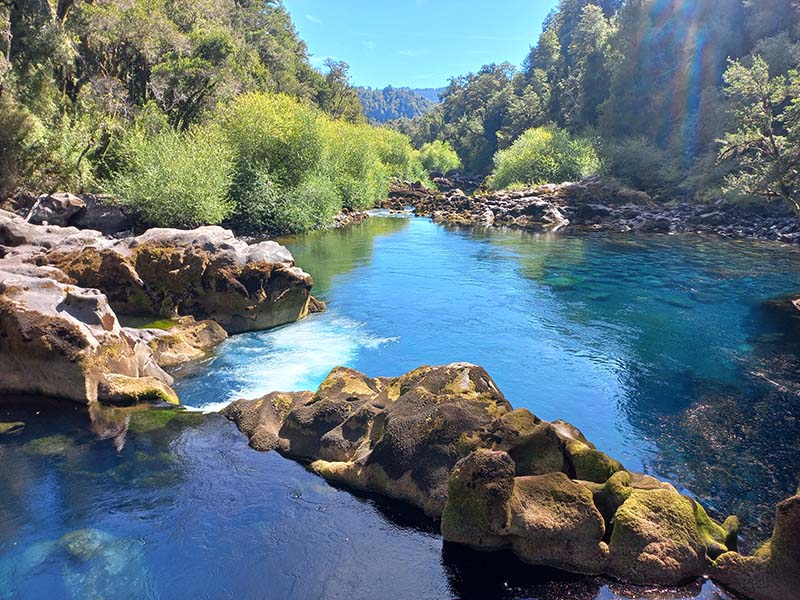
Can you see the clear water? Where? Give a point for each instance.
(660, 348)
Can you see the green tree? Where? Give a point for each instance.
(766, 144)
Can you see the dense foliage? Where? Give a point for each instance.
(392, 103)
(187, 112)
(647, 79)
(265, 162)
(439, 156)
(542, 155)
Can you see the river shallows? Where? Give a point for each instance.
(660, 348)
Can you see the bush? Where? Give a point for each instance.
(268, 206)
(17, 130)
(641, 164)
(176, 179)
(544, 155)
(439, 156)
(273, 134)
(398, 156)
(353, 164)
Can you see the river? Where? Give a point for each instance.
(661, 349)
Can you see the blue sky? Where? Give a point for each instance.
(417, 43)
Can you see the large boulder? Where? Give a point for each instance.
(446, 440)
(206, 273)
(63, 341)
(56, 209)
(773, 572)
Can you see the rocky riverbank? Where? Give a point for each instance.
(597, 205)
(62, 290)
(446, 440)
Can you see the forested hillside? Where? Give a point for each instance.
(651, 86)
(187, 112)
(392, 103)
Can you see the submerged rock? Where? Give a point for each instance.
(446, 440)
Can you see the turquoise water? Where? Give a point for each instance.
(661, 348)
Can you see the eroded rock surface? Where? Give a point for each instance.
(62, 288)
(446, 440)
(63, 341)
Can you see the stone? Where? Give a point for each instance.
(183, 340)
(773, 572)
(206, 273)
(62, 341)
(56, 209)
(555, 523)
(446, 440)
(478, 511)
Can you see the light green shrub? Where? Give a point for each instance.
(266, 206)
(544, 155)
(439, 156)
(398, 155)
(273, 134)
(175, 179)
(353, 164)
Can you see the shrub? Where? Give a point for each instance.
(268, 206)
(273, 134)
(353, 164)
(176, 179)
(17, 130)
(439, 156)
(398, 156)
(544, 155)
(641, 164)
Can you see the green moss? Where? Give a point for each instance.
(591, 464)
(145, 421)
(714, 536)
(162, 324)
(53, 445)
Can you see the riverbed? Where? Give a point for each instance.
(660, 348)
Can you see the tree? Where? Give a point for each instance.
(766, 146)
(337, 98)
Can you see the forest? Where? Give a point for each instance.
(693, 100)
(392, 103)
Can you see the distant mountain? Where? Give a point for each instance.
(431, 94)
(393, 103)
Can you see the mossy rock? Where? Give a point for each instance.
(656, 538)
(120, 389)
(479, 491)
(52, 445)
(555, 523)
(773, 572)
(154, 419)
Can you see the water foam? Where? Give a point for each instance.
(292, 358)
